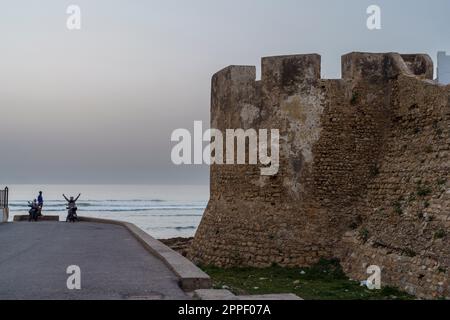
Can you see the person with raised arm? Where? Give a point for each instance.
(72, 208)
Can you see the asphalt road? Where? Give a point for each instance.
(34, 258)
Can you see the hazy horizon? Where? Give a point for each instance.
(27, 192)
(98, 105)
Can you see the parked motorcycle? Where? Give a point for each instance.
(33, 212)
(72, 214)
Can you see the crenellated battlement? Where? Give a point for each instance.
(284, 76)
(291, 70)
(356, 155)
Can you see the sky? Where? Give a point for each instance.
(99, 104)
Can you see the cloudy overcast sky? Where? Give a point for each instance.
(98, 105)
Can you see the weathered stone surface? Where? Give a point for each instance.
(364, 170)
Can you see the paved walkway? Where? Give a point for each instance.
(114, 265)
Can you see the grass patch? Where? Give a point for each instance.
(354, 99)
(364, 234)
(440, 234)
(409, 253)
(423, 191)
(324, 281)
(442, 270)
(397, 206)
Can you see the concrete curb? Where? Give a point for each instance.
(215, 295)
(190, 276)
(271, 297)
(21, 218)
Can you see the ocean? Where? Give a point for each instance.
(163, 211)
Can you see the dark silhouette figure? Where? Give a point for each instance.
(40, 201)
(34, 211)
(71, 208)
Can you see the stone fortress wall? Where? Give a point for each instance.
(364, 170)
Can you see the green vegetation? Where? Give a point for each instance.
(442, 270)
(423, 191)
(412, 197)
(440, 234)
(364, 234)
(397, 208)
(409, 252)
(355, 98)
(324, 281)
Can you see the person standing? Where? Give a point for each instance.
(40, 201)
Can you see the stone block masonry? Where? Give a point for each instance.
(364, 170)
